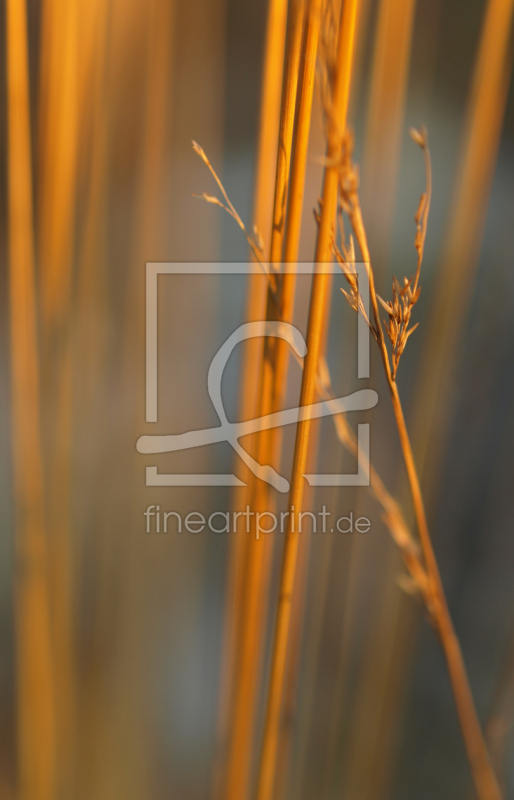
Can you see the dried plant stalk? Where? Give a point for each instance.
(57, 156)
(58, 132)
(248, 679)
(281, 350)
(35, 686)
(287, 116)
(478, 756)
(278, 349)
(384, 122)
(465, 229)
(91, 339)
(91, 293)
(448, 309)
(314, 333)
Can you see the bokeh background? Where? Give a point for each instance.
(118, 89)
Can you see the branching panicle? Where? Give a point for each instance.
(346, 259)
(399, 310)
(404, 297)
(255, 240)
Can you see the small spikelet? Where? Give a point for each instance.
(256, 241)
(201, 152)
(418, 136)
(259, 241)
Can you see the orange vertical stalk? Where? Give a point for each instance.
(258, 557)
(465, 229)
(57, 156)
(278, 350)
(35, 689)
(282, 352)
(287, 115)
(337, 126)
(58, 123)
(256, 309)
(384, 124)
(483, 775)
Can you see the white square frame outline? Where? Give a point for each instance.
(156, 268)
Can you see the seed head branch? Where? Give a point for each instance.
(256, 242)
(399, 312)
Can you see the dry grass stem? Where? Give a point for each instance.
(255, 241)
(287, 119)
(478, 756)
(58, 129)
(249, 399)
(300, 58)
(459, 260)
(444, 328)
(385, 117)
(258, 559)
(278, 351)
(314, 336)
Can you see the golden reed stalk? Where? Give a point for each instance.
(465, 229)
(57, 157)
(453, 289)
(259, 553)
(91, 278)
(384, 122)
(249, 400)
(483, 775)
(314, 334)
(281, 307)
(58, 133)
(92, 339)
(34, 671)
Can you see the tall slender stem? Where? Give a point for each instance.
(35, 687)
(483, 775)
(58, 128)
(252, 359)
(253, 615)
(314, 337)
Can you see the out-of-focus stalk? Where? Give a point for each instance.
(277, 351)
(249, 400)
(384, 124)
(465, 230)
(253, 620)
(57, 127)
(92, 341)
(34, 674)
(56, 228)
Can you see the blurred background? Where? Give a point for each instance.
(117, 89)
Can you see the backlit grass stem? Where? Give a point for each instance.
(308, 390)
